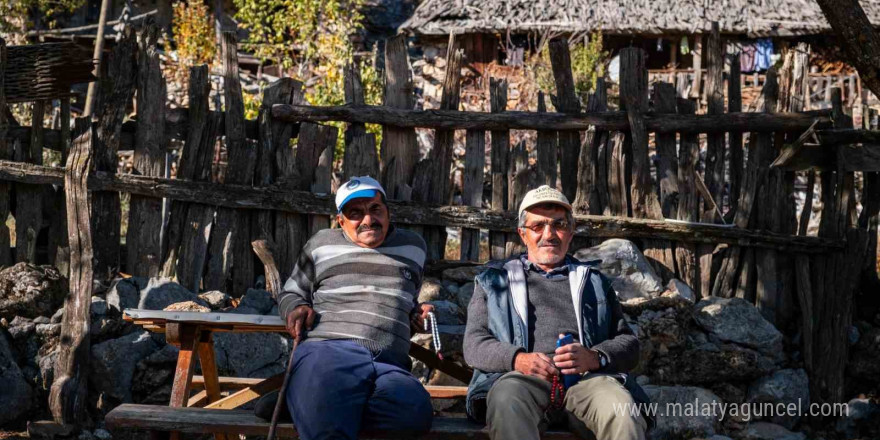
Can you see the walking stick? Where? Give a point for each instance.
(280, 401)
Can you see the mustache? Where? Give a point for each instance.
(373, 227)
(549, 242)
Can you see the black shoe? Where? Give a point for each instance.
(265, 406)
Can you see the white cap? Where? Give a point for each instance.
(544, 194)
(356, 187)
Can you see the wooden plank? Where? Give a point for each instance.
(688, 201)
(547, 146)
(361, 157)
(279, 92)
(439, 189)
(206, 421)
(230, 263)
(472, 190)
(290, 229)
(714, 173)
(199, 220)
(397, 118)
(634, 95)
(58, 249)
(735, 138)
(768, 208)
(6, 153)
(28, 200)
(190, 156)
(249, 394)
(399, 145)
(499, 164)
(592, 177)
(566, 102)
(143, 249)
(67, 396)
(667, 165)
(282, 199)
(697, 56)
(618, 200)
(209, 370)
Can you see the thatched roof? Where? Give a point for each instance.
(753, 18)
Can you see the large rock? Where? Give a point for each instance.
(215, 299)
(125, 293)
(28, 290)
(154, 376)
(863, 364)
(113, 363)
(162, 292)
(784, 387)
(630, 273)
(16, 397)
(464, 295)
(680, 411)
(259, 300)
(251, 354)
(768, 431)
(709, 364)
(736, 320)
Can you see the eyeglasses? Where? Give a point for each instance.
(555, 226)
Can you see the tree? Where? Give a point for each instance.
(857, 37)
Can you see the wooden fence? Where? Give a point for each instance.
(725, 223)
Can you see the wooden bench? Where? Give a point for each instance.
(209, 411)
(208, 421)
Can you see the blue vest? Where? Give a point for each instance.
(507, 304)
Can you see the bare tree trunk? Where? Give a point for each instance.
(857, 37)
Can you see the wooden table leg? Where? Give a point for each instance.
(209, 372)
(186, 337)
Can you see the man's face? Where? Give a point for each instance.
(547, 234)
(365, 221)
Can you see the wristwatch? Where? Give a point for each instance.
(603, 361)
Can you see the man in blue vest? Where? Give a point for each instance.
(521, 308)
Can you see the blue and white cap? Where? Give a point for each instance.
(363, 186)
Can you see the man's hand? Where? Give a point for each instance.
(576, 359)
(418, 316)
(535, 364)
(299, 321)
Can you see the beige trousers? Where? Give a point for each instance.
(517, 409)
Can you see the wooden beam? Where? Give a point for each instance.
(68, 395)
(510, 120)
(304, 202)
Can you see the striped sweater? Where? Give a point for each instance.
(358, 293)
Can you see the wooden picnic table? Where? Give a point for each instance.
(192, 333)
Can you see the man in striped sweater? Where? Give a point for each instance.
(352, 300)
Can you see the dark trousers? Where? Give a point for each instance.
(338, 388)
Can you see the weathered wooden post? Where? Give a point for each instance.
(566, 102)
(400, 150)
(634, 96)
(117, 91)
(500, 152)
(67, 397)
(143, 248)
(5, 154)
(361, 157)
(29, 205)
(231, 264)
